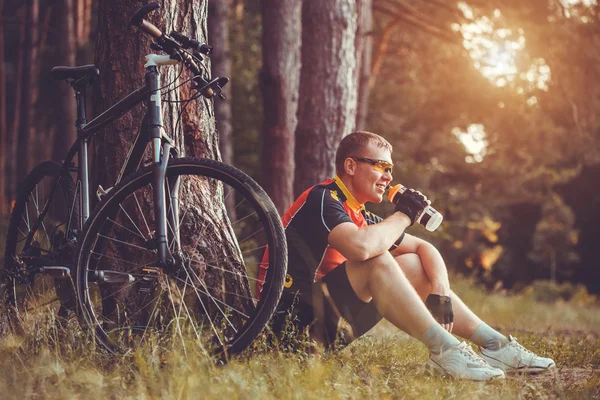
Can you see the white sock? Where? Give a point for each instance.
(437, 339)
(488, 338)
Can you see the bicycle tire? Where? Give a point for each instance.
(112, 238)
(29, 292)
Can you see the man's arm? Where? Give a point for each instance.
(431, 259)
(367, 242)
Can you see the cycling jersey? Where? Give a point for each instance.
(308, 223)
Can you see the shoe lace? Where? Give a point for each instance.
(513, 342)
(468, 351)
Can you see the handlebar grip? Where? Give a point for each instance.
(150, 29)
(139, 15)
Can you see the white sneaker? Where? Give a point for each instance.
(515, 358)
(461, 362)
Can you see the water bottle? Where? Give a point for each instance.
(429, 218)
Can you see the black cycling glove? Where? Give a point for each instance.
(441, 308)
(412, 204)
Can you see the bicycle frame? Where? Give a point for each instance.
(151, 130)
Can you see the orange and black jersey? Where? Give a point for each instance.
(308, 223)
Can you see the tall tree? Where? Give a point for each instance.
(65, 133)
(28, 87)
(279, 80)
(364, 46)
(206, 233)
(13, 135)
(327, 103)
(218, 36)
(82, 18)
(3, 130)
(120, 53)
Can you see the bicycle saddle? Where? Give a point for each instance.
(88, 71)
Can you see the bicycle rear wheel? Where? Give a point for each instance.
(214, 293)
(40, 247)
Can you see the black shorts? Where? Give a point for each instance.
(333, 313)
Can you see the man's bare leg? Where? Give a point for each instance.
(465, 321)
(380, 279)
(466, 324)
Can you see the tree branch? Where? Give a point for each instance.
(414, 17)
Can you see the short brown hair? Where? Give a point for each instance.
(352, 145)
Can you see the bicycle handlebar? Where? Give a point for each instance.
(175, 45)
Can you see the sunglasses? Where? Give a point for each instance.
(378, 165)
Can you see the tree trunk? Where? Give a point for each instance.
(218, 36)
(65, 133)
(3, 131)
(280, 79)
(364, 46)
(120, 56)
(16, 118)
(29, 88)
(81, 15)
(327, 103)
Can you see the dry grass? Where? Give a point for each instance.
(65, 363)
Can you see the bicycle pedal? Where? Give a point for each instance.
(56, 272)
(104, 276)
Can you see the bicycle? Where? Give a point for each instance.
(142, 262)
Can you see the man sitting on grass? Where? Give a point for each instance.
(349, 267)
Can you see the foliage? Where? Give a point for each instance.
(533, 110)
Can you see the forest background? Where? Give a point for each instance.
(491, 106)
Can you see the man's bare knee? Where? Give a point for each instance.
(362, 274)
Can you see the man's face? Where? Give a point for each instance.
(371, 178)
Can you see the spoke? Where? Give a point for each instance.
(176, 315)
(152, 316)
(69, 227)
(215, 299)
(225, 270)
(183, 305)
(212, 297)
(242, 219)
(27, 214)
(36, 203)
(127, 229)
(205, 310)
(249, 236)
(141, 213)
(179, 228)
(121, 241)
(131, 220)
(118, 259)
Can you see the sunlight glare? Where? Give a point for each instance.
(495, 49)
(474, 140)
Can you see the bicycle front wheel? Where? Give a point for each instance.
(229, 262)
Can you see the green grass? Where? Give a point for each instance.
(65, 363)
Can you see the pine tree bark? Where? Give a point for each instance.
(327, 103)
(120, 56)
(218, 36)
(364, 47)
(65, 133)
(279, 80)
